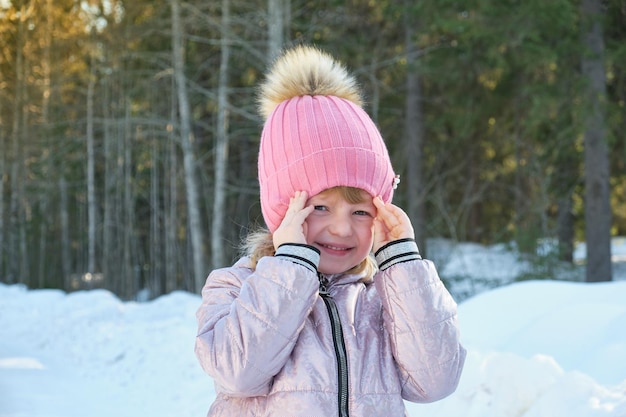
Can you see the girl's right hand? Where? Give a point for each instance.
(293, 227)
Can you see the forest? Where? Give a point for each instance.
(129, 130)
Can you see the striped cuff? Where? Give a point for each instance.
(401, 250)
(305, 255)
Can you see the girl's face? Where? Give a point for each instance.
(341, 227)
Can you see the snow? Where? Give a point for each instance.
(536, 348)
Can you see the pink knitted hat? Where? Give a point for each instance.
(316, 135)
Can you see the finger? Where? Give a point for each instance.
(387, 213)
(301, 215)
(298, 201)
(378, 202)
(380, 230)
(396, 222)
(380, 234)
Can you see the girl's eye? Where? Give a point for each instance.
(321, 208)
(361, 213)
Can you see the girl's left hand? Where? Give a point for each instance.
(391, 223)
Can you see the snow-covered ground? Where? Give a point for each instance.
(537, 348)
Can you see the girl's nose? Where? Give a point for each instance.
(340, 226)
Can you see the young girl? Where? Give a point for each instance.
(332, 312)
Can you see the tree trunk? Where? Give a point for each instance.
(15, 273)
(414, 134)
(109, 262)
(129, 260)
(189, 162)
(65, 234)
(47, 159)
(275, 26)
(565, 229)
(3, 153)
(565, 182)
(171, 215)
(156, 216)
(91, 186)
(221, 147)
(597, 187)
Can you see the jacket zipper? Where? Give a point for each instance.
(340, 347)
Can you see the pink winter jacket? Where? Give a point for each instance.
(267, 338)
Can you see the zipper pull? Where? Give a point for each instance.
(323, 285)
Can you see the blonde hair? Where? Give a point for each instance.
(259, 243)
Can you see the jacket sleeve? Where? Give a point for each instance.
(421, 319)
(249, 321)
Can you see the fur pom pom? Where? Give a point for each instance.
(306, 70)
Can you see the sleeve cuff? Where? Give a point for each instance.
(401, 250)
(304, 255)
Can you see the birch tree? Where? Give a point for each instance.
(65, 233)
(16, 265)
(221, 145)
(91, 186)
(276, 25)
(171, 208)
(3, 154)
(186, 142)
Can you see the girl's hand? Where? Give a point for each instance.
(293, 227)
(391, 223)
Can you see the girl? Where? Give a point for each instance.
(332, 312)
